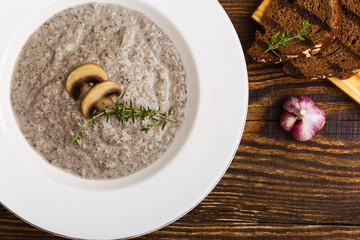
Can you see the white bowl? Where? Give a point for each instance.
(69, 206)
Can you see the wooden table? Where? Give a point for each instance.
(275, 188)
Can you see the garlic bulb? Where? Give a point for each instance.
(302, 117)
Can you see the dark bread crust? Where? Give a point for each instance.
(335, 24)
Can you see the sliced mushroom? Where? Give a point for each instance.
(101, 95)
(83, 78)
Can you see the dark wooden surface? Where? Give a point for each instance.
(275, 188)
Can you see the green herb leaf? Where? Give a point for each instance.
(125, 111)
(279, 39)
(170, 111)
(163, 126)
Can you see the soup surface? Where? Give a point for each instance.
(135, 52)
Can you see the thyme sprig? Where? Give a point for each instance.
(279, 39)
(125, 112)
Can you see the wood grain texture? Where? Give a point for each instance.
(350, 86)
(275, 188)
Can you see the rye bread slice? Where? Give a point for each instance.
(351, 18)
(341, 58)
(284, 15)
(336, 59)
(325, 14)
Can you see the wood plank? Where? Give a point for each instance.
(238, 231)
(350, 86)
(218, 228)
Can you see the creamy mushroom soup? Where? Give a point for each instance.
(135, 53)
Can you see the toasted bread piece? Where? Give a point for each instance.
(351, 11)
(318, 56)
(285, 17)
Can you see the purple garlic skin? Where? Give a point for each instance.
(302, 117)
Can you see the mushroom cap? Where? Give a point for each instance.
(83, 78)
(101, 95)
